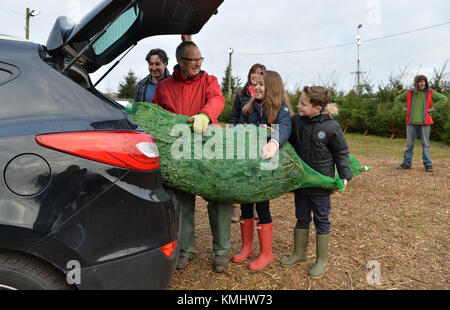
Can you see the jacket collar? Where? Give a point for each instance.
(319, 118)
(165, 76)
(178, 75)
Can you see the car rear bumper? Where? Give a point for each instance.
(150, 270)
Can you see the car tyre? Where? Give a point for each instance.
(21, 272)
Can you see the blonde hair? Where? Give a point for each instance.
(274, 96)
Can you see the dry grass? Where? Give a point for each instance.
(399, 218)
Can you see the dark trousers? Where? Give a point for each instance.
(263, 210)
(219, 214)
(320, 206)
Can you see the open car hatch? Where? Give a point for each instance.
(115, 25)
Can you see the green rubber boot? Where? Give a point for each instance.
(321, 265)
(301, 239)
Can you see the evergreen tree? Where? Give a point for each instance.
(126, 89)
(390, 118)
(235, 83)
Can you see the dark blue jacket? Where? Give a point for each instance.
(321, 144)
(258, 117)
(141, 87)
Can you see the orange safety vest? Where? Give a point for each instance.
(427, 119)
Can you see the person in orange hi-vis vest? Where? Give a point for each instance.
(419, 102)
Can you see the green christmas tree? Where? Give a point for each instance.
(126, 88)
(235, 83)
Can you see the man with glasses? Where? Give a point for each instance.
(193, 92)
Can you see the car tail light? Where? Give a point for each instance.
(169, 248)
(127, 149)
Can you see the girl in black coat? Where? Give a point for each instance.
(245, 94)
(242, 98)
(318, 139)
(270, 108)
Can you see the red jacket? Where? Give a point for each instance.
(427, 107)
(200, 93)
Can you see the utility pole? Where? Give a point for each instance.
(358, 69)
(358, 44)
(230, 52)
(27, 24)
(29, 14)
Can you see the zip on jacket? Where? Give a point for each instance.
(427, 107)
(200, 93)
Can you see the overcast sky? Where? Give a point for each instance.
(271, 28)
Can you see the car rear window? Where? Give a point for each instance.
(116, 31)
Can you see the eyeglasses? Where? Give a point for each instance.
(194, 59)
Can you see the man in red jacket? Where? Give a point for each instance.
(193, 92)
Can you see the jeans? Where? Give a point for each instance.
(320, 206)
(219, 220)
(412, 131)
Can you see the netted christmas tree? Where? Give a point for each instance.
(226, 164)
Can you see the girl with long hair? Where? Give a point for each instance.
(246, 93)
(243, 97)
(269, 108)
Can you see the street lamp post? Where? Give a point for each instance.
(358, 72)
(29, 14)
(230, 52)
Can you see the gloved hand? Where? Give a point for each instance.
(200, 123)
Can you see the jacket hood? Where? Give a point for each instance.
(331, 110)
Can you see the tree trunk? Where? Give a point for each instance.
(392, 130)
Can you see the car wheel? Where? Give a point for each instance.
(20, 272)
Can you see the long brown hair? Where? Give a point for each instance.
(417, 80)
(274, 96)
(250, 72)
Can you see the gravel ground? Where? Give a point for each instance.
(399, 219)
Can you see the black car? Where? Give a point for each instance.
(82, 205)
